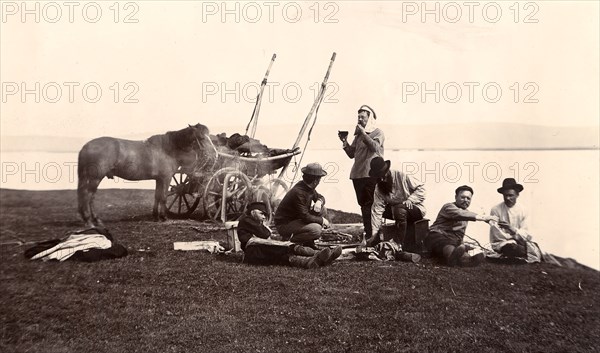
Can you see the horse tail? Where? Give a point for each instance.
(83, 194)
(83, 168)
(96, 160)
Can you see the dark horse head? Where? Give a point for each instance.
(194, 146)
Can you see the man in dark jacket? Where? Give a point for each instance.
(259, 249)
(300, 215)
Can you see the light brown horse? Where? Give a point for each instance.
(156, 158)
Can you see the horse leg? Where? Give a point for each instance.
(83, 200)
(86, 189)
(97, 222)
(163, 198)
(157, 211)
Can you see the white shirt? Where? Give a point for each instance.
(404, 187)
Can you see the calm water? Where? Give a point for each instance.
(561, 187)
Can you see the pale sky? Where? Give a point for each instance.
(180, 56)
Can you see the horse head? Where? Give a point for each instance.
(203, 144)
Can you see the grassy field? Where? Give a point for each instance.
(161, 300)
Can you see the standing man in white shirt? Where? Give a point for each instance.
(367, 144)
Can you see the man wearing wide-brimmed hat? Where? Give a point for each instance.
(510, 236)
(297, 219)
(259, 249)
(402, 193)
(368, 143)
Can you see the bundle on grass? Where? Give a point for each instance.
(88, 245)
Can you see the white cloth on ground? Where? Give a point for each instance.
(74, 243)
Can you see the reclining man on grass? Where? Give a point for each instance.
(258, 248)
(445, 238)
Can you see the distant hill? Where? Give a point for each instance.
(426, 137)
(460, 136)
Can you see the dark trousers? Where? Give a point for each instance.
(272, 254)
(299, 232)
(435, 243)
(263, 254)
(365, 188)
(403, 216)
(514, 250)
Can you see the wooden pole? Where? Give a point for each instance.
(316, 103)
(256, 111)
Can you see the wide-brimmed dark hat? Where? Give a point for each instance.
(261, 206)
(314, 169)
(510, 183)
(379, 167)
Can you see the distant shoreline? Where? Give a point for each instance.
(444, 137)
(390, 149)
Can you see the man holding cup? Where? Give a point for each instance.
(367, 144)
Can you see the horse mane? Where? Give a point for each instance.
(180, 140)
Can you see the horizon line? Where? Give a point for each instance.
(572, 148)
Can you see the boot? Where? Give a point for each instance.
(335, 253)
(319, 258)
(302, 262)
(408, 257)
(303, 250)
(471, 261)
(453, 254)
(322, 257)
(400, 233)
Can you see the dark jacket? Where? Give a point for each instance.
(247, 227)
(452, 222)
(296, 205)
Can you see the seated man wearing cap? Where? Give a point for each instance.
(403, 193)
(445, 237)
(510, 236)
(259, 249)
(300, 216)
(368, 143)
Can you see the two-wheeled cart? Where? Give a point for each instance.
(237, 179)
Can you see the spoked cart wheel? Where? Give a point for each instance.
(181, 200)
(271, 193)
(226, 195)
(277, 190)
